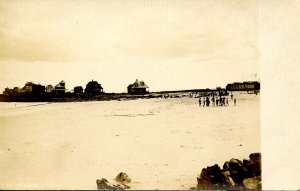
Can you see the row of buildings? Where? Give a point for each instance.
(92, 88)
(29, 87)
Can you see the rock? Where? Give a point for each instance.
(254, 167)
(123, 178)
(252, 183)
(235, 175)
(245, 163)
(103, 184)
(211, 178)
(226, 166)
(228, 178)
(235, 167)
(245, 168)
(255, 157)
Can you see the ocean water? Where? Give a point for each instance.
(159, 143)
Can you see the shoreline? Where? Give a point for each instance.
(74, 98)
(71, 97)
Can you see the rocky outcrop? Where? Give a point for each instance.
(122, 178)
(235, 175)
(103, 184)
(211, 178)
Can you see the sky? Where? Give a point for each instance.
(171, 45)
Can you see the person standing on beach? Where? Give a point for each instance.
(231, 96)
(203, 101)
(200, 101)
(207, 101)
(227, 102)
(234, 101)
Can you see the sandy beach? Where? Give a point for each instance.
(159, 143)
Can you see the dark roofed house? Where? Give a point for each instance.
(33, 88)
(16, 90)
(8, 92)
(49, 88)
(138, 87)
(60, 87)
(93, 88)
(78, 90)
(243, 86)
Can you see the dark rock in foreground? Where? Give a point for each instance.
(235, 175)
(103, 184)
(212, 178)
(122, 178)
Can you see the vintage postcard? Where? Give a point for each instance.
(131, 95)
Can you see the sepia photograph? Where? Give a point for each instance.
(130, 95)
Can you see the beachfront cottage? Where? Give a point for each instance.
(93, 88)
(32, 88)
(16, 90)
(243, 86)
(49, 88)
(78, 90)
(8, 92)
(60, 87)
(138, 87)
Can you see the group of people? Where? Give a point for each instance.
(216, 101)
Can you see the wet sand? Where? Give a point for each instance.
(159, 143)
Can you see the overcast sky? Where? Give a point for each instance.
(168, 44)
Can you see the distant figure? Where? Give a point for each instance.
(213, 101)
(217, 102)
(200, 101)
(231, 96)
(227, 102)
(203, 101)
(234, 101)
(207, 101)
